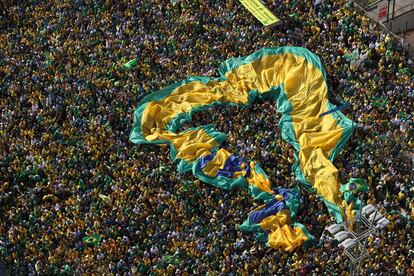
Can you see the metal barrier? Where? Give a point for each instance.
(381, 26)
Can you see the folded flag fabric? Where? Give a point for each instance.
(295, 79)
(92, 240)
(232, 165)
(292, 199)
(271, 208)
(355, 185)
(345, 105)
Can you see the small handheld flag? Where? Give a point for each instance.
(355, 185)
(92, 240)
(379, 101)
(130, 64)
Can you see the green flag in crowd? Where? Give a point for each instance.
(92, 240)
(171, 259)
(355, 185)
(379, 101)
(403, 115)
(405, 71)
(48, 61)
(351, 56)
(130, 64)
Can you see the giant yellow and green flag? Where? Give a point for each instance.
(294, 78)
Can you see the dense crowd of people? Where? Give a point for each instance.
(69, 172)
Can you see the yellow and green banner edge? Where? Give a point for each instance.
(284, 107)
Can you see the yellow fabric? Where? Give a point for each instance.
(190, 145)
(350, 210)
(259, 180)
(281, 234)
(287, 238)
(217, 163)
(239, 174)
(158, 114)
(271, 223)
(279, 197)
(305, 89)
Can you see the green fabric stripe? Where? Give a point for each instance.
(348, 127)
(293, 203)
(256, 192)
(184, 117)
(285, 124)
(233, 63)
(221, 182)
(260, 234)
(361, 186)
(310, 238)
(288, 134)
(136, 134)
(349, 197)
(334, 210)
(248, 226)
(184, 166)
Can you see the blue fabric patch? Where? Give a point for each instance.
(272, 207)
(205, 159)
(287, 193)
(232, 165)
